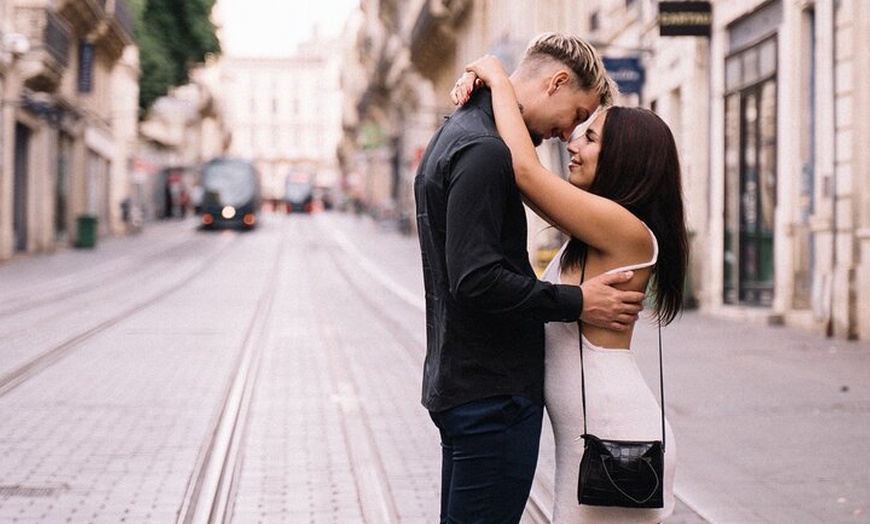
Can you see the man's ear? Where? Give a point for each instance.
(559, 79)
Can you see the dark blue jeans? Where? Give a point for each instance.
(489, 450)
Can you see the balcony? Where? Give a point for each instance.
(434, 36)
(108, 24)
(82, 15)
(117, 28)
(43, 66)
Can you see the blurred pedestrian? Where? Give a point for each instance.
(621, 202)
(483, 377)
(126, 205)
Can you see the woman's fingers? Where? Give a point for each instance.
(462, 89)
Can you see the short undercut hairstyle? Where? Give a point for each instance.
(580, 57)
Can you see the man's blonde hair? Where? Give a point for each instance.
(580, 57)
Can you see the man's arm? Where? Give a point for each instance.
(606, 306)
(479, 274)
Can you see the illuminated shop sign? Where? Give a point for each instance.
(685, 18)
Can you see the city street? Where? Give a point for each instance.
(183, 376)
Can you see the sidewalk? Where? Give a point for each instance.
(768, 420)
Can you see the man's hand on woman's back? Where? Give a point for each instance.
(606, 306)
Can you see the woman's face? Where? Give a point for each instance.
(584, 154)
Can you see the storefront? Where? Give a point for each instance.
(750, 193)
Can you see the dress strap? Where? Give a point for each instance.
(642, 265)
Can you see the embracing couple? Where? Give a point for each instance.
(502, 344)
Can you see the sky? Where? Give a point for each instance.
(273, 28)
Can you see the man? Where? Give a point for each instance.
(485, 309)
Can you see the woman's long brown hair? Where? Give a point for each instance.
(639, 168)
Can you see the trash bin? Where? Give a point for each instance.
(86, 231)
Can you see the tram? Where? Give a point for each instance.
(299, 193)
(230, 194)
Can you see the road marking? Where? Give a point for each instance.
(370, 267)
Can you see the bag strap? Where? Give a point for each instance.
(626, 495)
(583, 374)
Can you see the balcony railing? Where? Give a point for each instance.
(50, 44)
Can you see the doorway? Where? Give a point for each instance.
(20, 187)
(750, 176)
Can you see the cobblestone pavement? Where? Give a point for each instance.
(113, 429)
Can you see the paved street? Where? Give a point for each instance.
(273, 376)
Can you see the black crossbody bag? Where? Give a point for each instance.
(621, 473)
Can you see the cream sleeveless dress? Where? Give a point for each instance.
(619, 403)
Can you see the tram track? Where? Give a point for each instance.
(211, 492)
(33, 366)
(214, 479)
(74, 303)
(59, 289)
(375, 496)
(538, 508)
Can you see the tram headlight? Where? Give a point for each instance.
(228, 212)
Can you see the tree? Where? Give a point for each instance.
(173, 36)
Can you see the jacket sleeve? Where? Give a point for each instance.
(479, 270)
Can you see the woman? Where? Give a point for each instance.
(622, 208)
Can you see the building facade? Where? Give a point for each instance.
(768, 101)
(68, 80)
(789, 172)
(284, 113)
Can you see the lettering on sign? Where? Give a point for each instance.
(685, 18)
